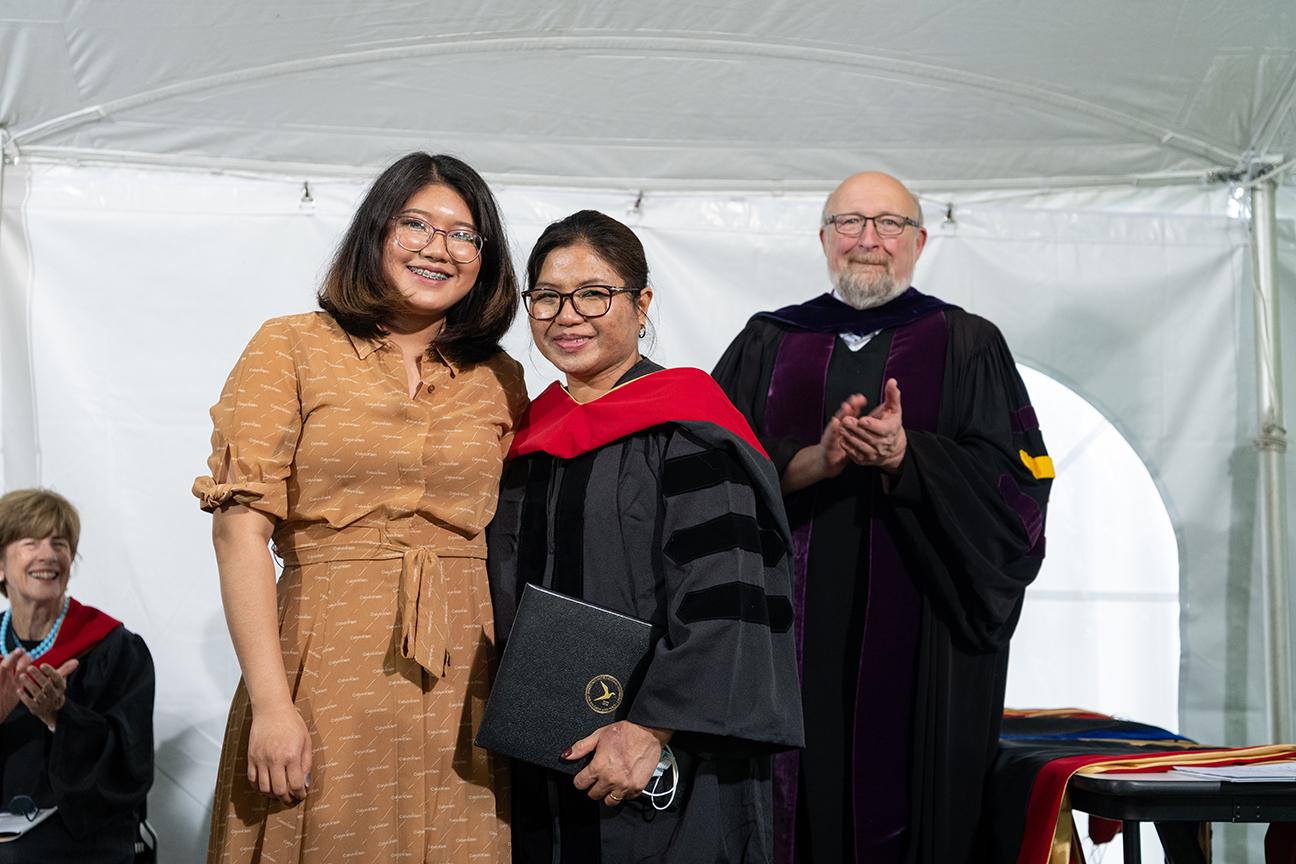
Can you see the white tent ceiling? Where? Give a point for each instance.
(684, 94)
(733, 118)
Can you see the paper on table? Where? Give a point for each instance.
(14, 825)
(1261, 773)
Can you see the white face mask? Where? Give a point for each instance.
(662, 798)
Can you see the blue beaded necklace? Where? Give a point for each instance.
(46, 643)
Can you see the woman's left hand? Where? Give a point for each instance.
(625, 757)
(43, 688)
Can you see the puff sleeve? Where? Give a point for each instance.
(257, 424)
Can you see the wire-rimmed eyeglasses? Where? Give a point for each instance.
(413, 234)
(24, 805)
(885, 224)
(589, 301)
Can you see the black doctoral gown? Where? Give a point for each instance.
(680, 524)
(906, 596)
(97, 764)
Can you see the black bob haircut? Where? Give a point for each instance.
(611, 240)
(357, 294)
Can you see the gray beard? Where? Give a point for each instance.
(858, 290)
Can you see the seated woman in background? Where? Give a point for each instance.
(643, 490)
(76, 697)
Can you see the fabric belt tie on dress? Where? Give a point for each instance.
(421, 595)
(424, 615)
(424, 609)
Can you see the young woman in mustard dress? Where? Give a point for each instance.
(365, 441)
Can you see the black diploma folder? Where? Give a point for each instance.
(569, 667)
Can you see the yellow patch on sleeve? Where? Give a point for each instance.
(1040, 466)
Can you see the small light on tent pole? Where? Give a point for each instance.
(636, 209)
(949, 215)
(307, 202)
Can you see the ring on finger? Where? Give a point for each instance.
(614, 797)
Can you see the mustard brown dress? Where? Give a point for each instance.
(384, 608)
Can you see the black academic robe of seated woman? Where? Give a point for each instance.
(655, 501)
(97, 764)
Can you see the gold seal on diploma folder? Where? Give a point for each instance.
(569, 667)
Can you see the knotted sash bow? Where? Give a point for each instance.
(424, 612)
(421, 593)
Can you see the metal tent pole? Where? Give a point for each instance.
(1272, 446)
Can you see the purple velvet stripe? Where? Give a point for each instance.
(794, 407)
(787, 768)
(882, 703)
(1023, 505)
(1023, 420)
(917, 362)
(883, 696)
(1036, 551)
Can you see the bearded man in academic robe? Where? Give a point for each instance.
(915, 481)
(76, 698)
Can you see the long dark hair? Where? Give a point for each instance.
(611, 240)
(357, 294)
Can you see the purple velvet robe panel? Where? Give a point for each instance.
(882, 722)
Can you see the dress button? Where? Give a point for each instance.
(431, 387)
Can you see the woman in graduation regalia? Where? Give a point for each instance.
(76, 698)
(641, 489)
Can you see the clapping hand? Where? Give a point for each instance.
(41, 688)
(877, 438)
(10, 686)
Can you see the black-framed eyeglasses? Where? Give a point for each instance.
(413, 234)
(589, 301)
(885, 224)
(23, 805)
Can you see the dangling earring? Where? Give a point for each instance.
(642, 331)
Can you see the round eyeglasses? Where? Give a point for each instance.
(885, 224)
(590, 301)
(463, 245)
(24, 805)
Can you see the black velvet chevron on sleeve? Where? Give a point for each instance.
(721, 534)
(701, 471)
(736, 601)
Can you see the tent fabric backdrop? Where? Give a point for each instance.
(781, 93)
(126, 294)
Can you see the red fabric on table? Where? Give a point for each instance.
(1051, 783)
(1103, 830)
(1280, 843)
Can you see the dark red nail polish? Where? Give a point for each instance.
(567, 753)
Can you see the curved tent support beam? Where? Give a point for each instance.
(704, 44)
(1268, 128)
(1023, 186)
(19, 448)
(1272, 446)
(93, 114)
